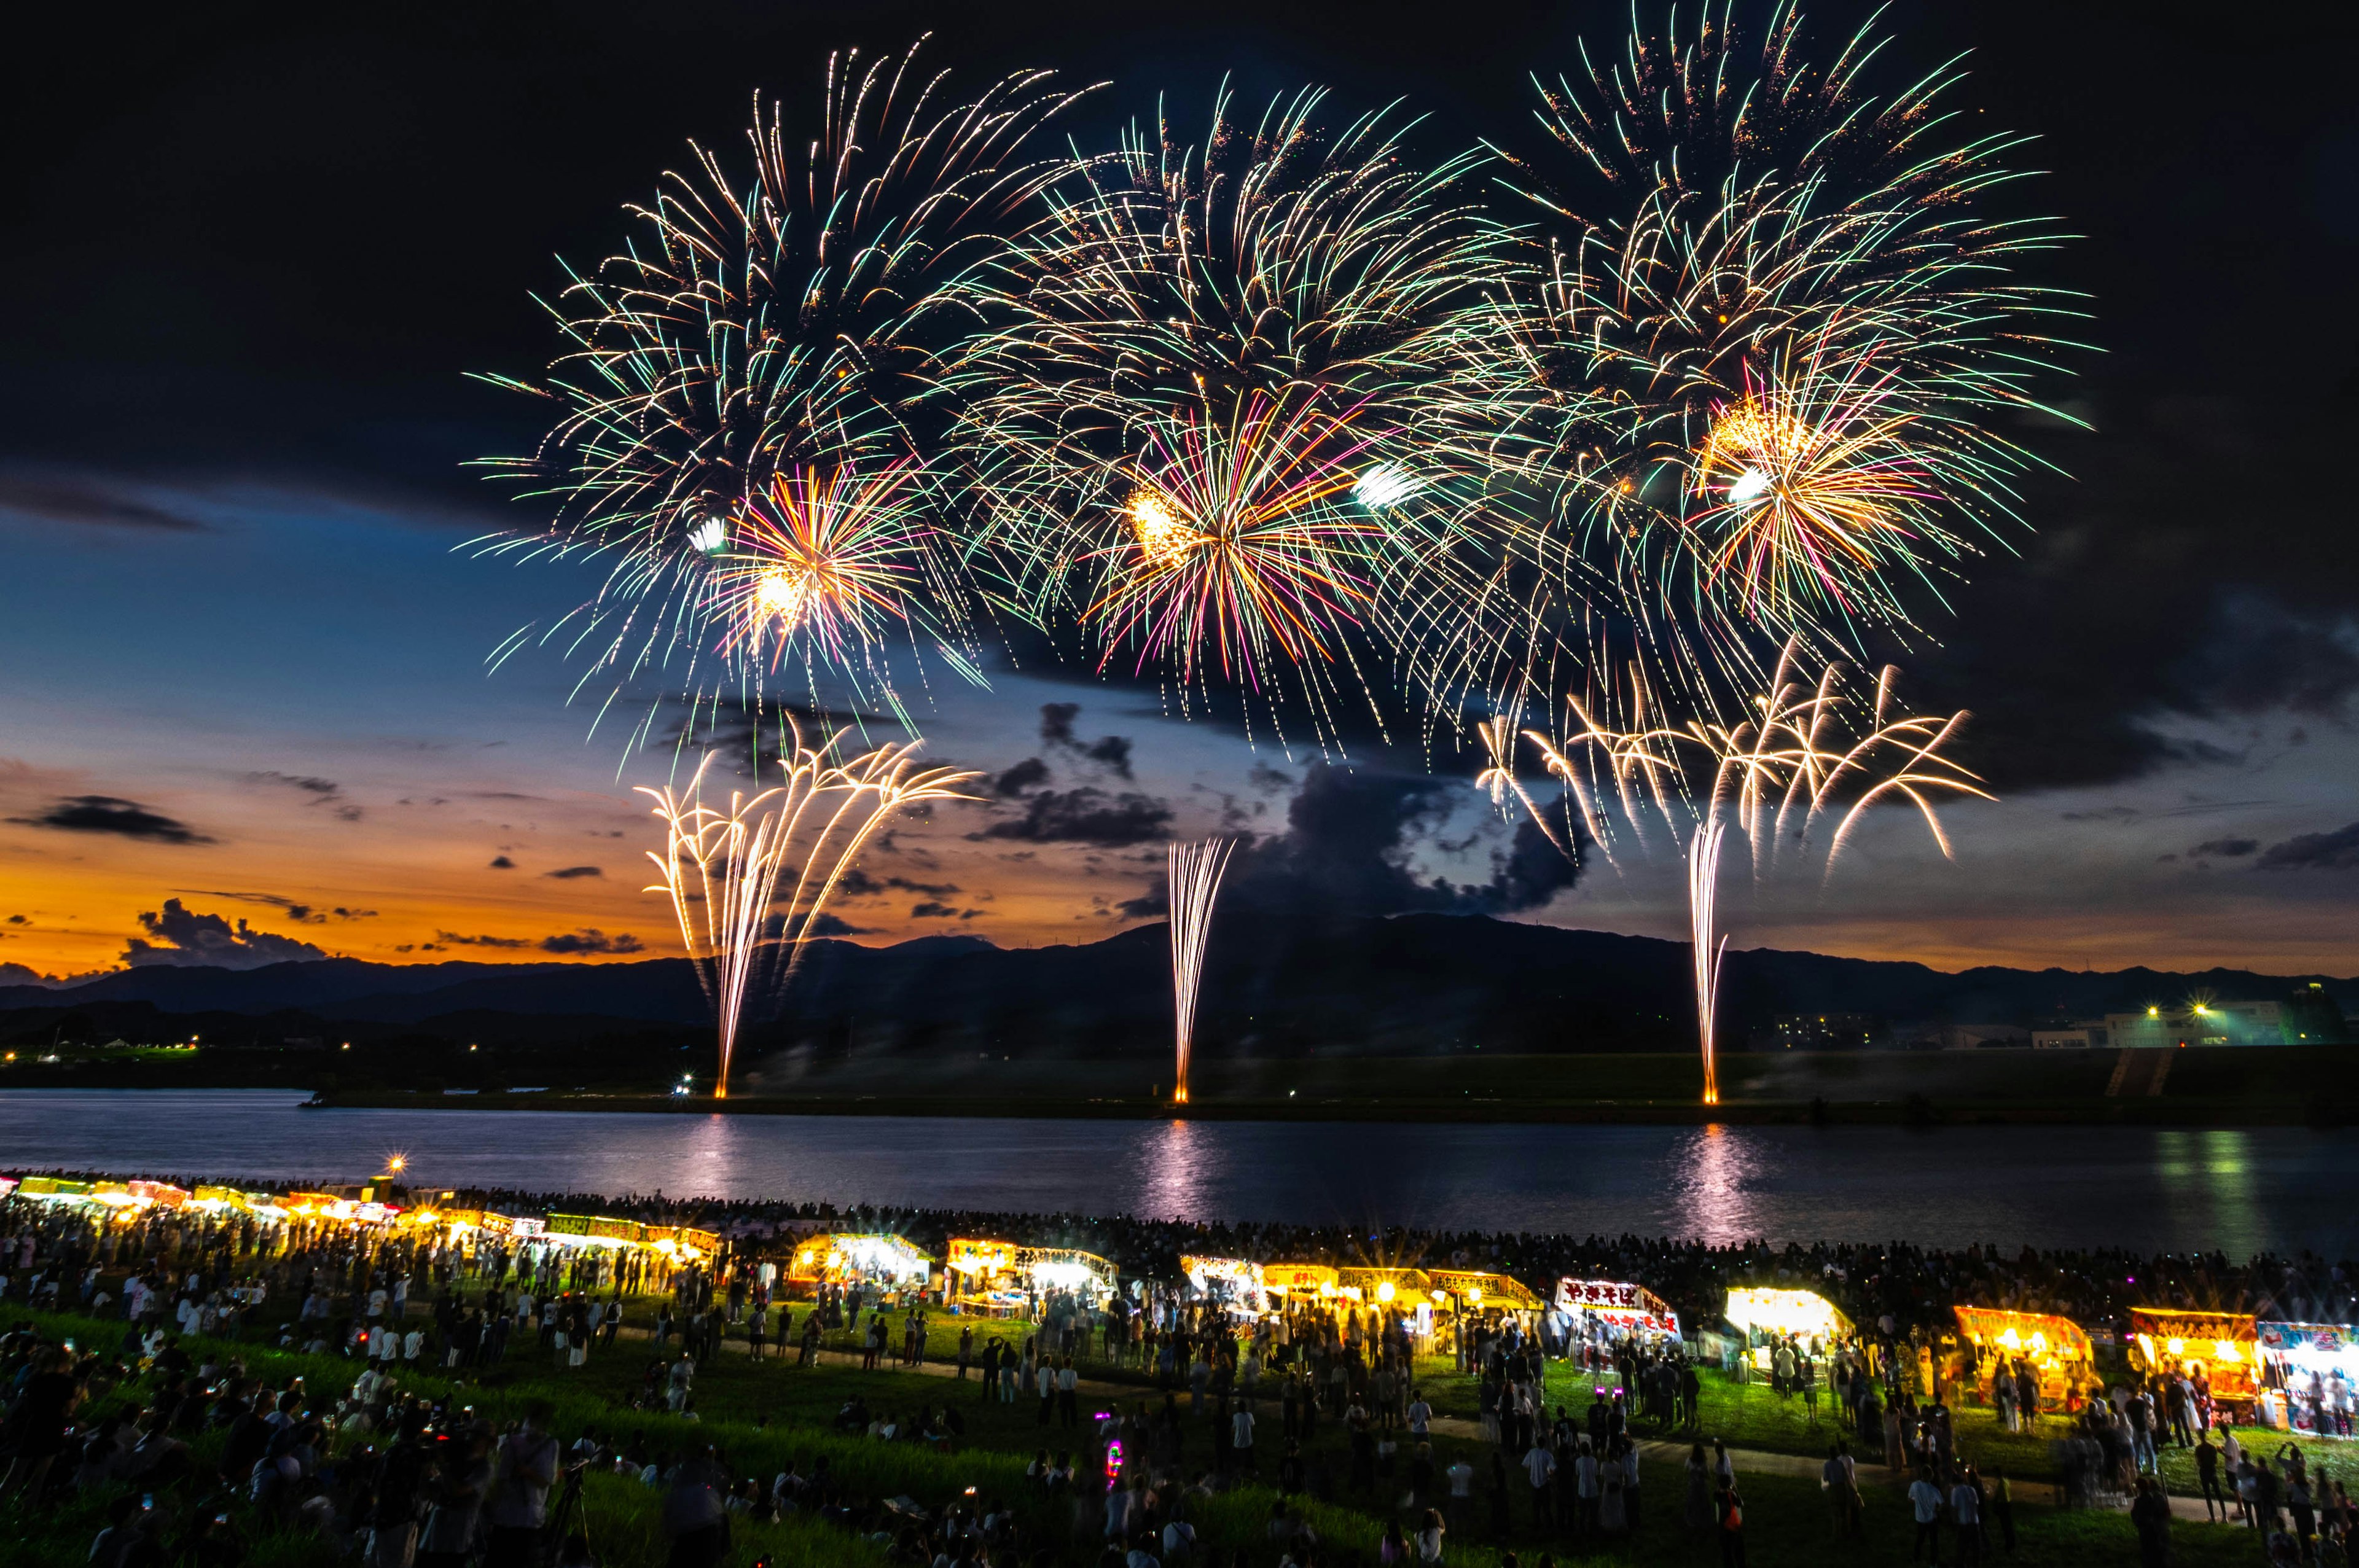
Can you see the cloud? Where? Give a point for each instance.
(452, 939)
(502, 863)
(1085, 816)
(590, 939)
(1349, 842)
(1109, 751)
(111, 814)
(931, 911)
(835, 925)
(573, 874)
(17, 920)
(2228, 848)
(295, 909)
(83, 499)
(931, 890)
(189, 938)
(2335, 851)
(304, 782)
(1030, 773)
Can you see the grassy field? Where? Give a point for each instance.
(760, 1415)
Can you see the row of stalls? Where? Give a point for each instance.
(379, 1205)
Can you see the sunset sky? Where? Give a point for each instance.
(246, 647)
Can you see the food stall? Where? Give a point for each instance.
(1398, 1289)
(1617, 1309)
(1237, 1281)
(1002, 1279)
(1296, 1282)
(2311, 1370)
(1765, 1313)
(889, 1262)
(2222, 1348)
(2057, 1349)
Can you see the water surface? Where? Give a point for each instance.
(2238, 1190)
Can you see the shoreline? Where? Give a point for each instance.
(1919, 1112)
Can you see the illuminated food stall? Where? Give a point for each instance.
(2223, 1346)
(1003, 1278)
(2316, 1367)
(1300, 1279)
(1234, 1279)
(886, 1260)
(1477, 1288)
(2056, 1347)
(1621, 1307)
(1762, 1313)
(1383, 1287)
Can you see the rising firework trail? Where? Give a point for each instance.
(1704, 875)
(755, 878)
(1194, 872)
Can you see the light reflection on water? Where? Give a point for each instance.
(2239, 1190)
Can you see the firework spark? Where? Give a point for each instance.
(1194, 873)
(723, 869)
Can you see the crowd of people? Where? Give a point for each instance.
(1258, 1391)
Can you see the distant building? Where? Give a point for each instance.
(1825, 1030)
(2087, 1035)
(2308, 1017)
(1976, 1036)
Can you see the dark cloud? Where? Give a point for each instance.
(931, 890)
(1085, 816)
(2227, 849)
(836, 925)
(294, 909)
(83, 498)
(111, 814)
(590, 939)
(307, 784)
(574, 873)
(17, 920)
(452, 939)
(1111, 753)
(185, 937)
(1266, 779)
(2335, 851)
(1348, 844)
(1030, 773)
(502, 863)
(931, 911)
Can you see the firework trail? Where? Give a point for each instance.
(1194, 872)
(723, 869)
(1774, 774)
(742, 401)
(1703, 876)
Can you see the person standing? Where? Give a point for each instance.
(2002, 1508)
(1925, 1497)
(2151, 1516)
(1539, 1468)
(1731, 1509)
(527, 1467)
(1966, 1520)
(965, 1349)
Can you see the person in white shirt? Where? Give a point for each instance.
(1241, 1435)
(1420, 1416)
(1926, 1499)
(1539, 1464)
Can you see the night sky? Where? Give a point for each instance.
(252, 256)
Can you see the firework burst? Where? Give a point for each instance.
(1797, 262)
(1190, 398)
(764, 333)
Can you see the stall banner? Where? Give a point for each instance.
(1297, 1276)
(2319, 1339)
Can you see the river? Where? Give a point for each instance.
(2237, 1190)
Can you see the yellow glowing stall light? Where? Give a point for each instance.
(1762, 1309)
(1299, 1279)
(2225, 1345)
(1240, 1274)
(1478, 1286)
(840, 1260)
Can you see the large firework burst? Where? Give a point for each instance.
(761, 335)
(1789, 259)
(1194, 398)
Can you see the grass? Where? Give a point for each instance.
(762, 1414)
